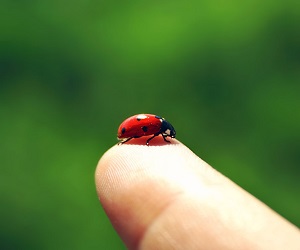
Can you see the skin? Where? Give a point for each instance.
(163, 196)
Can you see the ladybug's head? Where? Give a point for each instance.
(167, 129)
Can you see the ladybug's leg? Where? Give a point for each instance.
(126, 140)
(147, 142)
(164, 136)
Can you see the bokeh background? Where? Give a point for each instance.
(225, 74)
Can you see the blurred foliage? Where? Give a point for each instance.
(225, 74)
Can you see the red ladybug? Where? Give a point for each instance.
(145, 124)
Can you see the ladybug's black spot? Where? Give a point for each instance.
(138, 119)
(123, 130)
(158, 117)
(145, 129)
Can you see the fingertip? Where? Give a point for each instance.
(135, 182)
(129, 163)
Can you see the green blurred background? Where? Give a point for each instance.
(225, 74)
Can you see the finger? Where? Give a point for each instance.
(165, 197)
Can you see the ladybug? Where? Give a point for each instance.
(145, 124)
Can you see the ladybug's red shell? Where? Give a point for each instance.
(139, 125)
(145, 124)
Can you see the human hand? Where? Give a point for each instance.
(163, 196)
